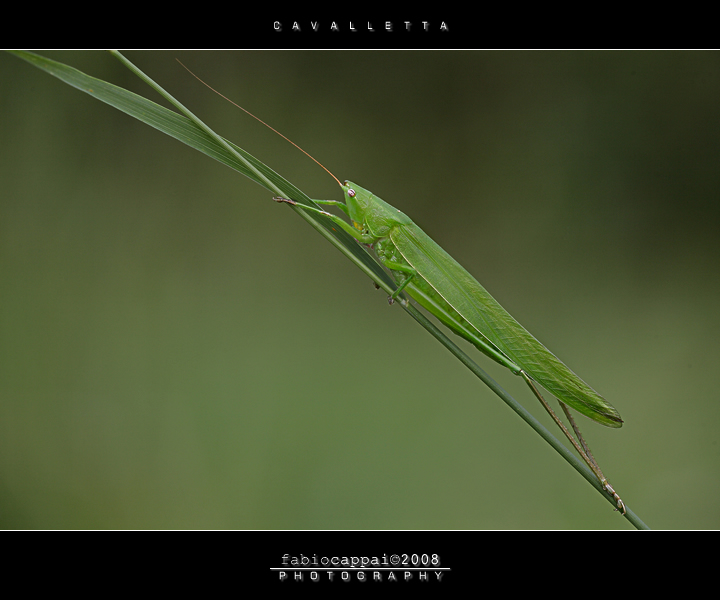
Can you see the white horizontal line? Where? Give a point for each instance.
(360, 569)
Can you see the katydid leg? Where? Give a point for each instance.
(581, 446)
(493, 352)
(358, 235)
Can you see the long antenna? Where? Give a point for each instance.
(263, 122)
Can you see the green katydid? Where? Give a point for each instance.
(444, 288)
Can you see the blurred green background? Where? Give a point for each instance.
(178, 351)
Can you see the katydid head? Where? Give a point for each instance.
(358, 201)
(370, 213)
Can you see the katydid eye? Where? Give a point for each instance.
(351, 193)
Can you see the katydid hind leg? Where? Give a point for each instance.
(580, 446)
(606, 486)
(583, 443)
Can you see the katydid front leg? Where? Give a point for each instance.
(363, 238)
(357, 233)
